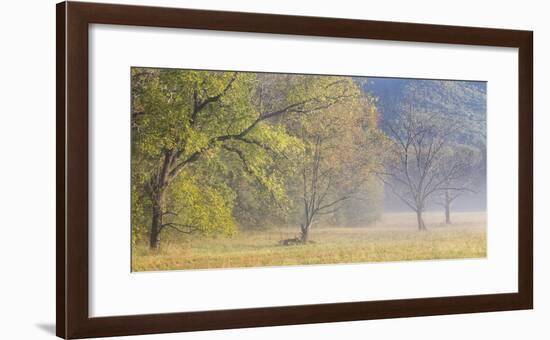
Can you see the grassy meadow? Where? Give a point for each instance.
(394, 238)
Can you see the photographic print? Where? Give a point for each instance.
(248, 169)
(310, 151)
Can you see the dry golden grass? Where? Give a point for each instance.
(394, 238)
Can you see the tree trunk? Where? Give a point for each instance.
(157, 200)
(156, 223)
(420, 220)
(304, 237)
(447, 208)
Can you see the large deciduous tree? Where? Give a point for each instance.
(336, 161)
(421, 161)
(190, 126)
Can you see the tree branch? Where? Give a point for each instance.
(199, 106)
(177, 226)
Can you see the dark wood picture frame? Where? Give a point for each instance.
(72, 289)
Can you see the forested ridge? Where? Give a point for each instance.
(464, 101)
(220, 153)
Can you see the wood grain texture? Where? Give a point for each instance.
(60, 253)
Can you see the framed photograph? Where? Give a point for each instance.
(224, 170)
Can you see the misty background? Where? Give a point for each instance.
(466, 99)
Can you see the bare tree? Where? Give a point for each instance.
(418, 165)
(459, 166)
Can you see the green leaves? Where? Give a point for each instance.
(200, 207)
(205, 138)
